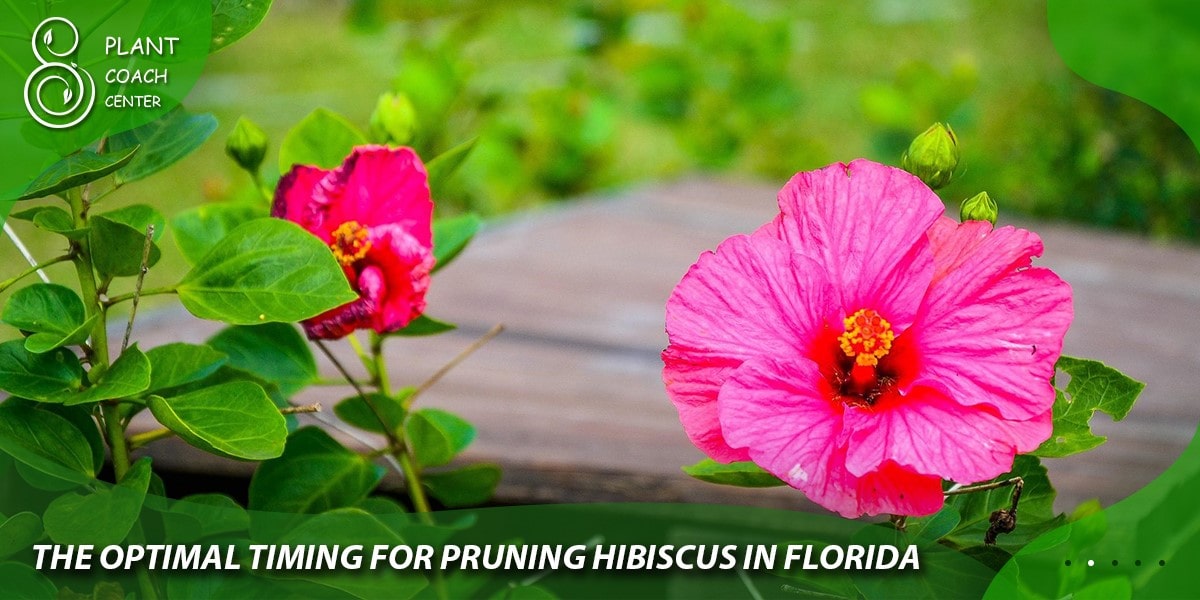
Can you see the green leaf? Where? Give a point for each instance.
(315, 474)
(451, 236)
(216, 514)
(199, 229)
(81, 418)
(53, 313)
(52, 219)
(346, 527)
(22, 582)
(741, 474)
(228, 374)
(18, 533)
(44, 307)
(944, 573)
(356, 412)
(233, 19)
(265, 271)
(76, 170)
(234, 420)
(46, 377)
(322, 139)
(119, 248)
(468, 486)
(444, 165)
(437, 436)
(424, 325)
(929, 530)
(1093, 387)
(1035, 514)
(173, 365)
(164, 142)
(274, 352)
(523, 592)
(128, 376)
(103, 517)
(41, 343)
(47, 442)
(139, 216)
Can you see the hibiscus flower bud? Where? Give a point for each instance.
(979, 207)
(247, 145)
(932, 156)
(394, 120)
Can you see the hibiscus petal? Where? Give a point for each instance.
(693, 382)
(377, 185)
(752, 297)
(294, 198)
(396, 278)
(777, 410)
(930, 433)
(865, 223)
(339, 322)
(991, 327)
(780, 411)
(895, 490)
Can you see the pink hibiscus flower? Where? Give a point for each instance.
(375, 213)
(862, 347)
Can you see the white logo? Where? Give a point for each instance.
(73, 104)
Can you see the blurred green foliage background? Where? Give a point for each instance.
(571, 97)
(583, 96)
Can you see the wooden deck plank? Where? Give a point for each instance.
(570, 398)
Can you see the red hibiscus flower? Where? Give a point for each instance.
(375, 213)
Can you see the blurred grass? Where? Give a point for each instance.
(572, 97)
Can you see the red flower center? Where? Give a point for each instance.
(351, 241)
(857, 375)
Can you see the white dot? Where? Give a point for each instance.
(1091, 563)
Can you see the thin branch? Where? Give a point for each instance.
(1000, 521)
(137, 290)
(12, 235)
(142, 293)
(305, 409)
(454, 362)
(322, 417)
(138, 440)
(7, 283)
(984, 487)
(334, 382)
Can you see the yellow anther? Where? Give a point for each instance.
(868, 337)
(351, 241)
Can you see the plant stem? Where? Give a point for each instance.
(381, 374)
(138, 440)
(396, 444)
(116, 440)
(7, 283)
(420, 502)
(143, 293)
(401, 449)
(82, 258)
(362, 354)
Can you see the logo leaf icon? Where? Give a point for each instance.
(67, 96)
(48, 39)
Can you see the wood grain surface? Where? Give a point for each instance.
(569, 399)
